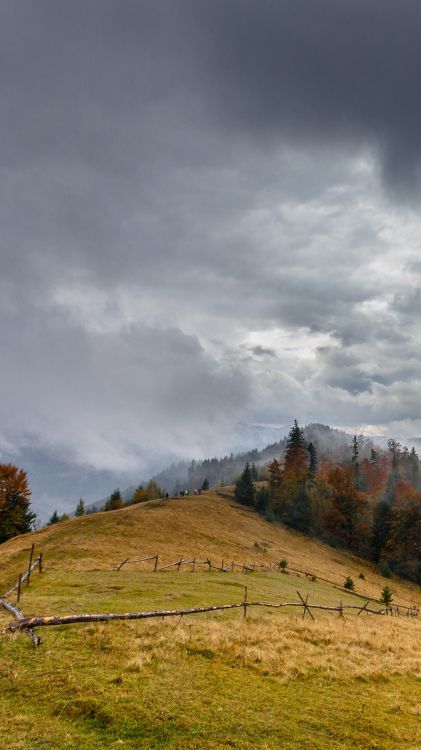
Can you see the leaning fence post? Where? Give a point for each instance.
(30, 564)
(245, 602)
(19, 585)
(40, 562)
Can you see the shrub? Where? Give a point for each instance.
(362, 576)
(349, 584)
(387, 596)
(283, 564)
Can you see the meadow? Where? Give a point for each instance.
(210, 681)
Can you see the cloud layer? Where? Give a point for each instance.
(209, 223)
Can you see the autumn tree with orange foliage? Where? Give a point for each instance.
(346, 520)
(15, 514)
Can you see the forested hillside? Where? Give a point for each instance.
(330, 442)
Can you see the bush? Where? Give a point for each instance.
(349, 584)
(283, 564)
(362, 576)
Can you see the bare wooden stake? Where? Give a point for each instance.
(194, 564)
(363, 608)
(306, 606)
(156, 563)
(19, 586)
(123, 563)
(245, 602)
(30, 564)
(40, 562)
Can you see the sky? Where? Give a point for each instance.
(210, 226)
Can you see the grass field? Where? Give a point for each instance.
(210, 681)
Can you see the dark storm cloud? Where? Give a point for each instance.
(321, 71)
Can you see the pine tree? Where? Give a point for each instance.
(55, 518)
(254, 474)
(312, 467)
(205, 484)
(80, 508)
(386, 596)
(244, 488)
(263, 500)
(115, 501)
(359, 482)
(415, 469)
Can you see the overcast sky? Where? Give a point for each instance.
(210, 224)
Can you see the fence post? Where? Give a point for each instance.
(30, 563)
(156, 563)
(194, 564)
(245, 602)
(40, 562)
(19, 585)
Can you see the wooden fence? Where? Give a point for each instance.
(225, 567)
(27, 624)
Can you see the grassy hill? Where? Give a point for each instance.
(213, 681)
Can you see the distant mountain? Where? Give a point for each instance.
(57, 482)
(327, 440)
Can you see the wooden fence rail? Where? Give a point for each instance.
(252, 567)
(37, 563)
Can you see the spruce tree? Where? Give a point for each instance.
(312, 467)
(244, 488)
(115, 501)
(415, 469)
(55, 518)
(80, 508)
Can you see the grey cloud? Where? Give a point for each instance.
(176, 176)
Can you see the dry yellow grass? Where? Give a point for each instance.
(288, 647)
(201, 526)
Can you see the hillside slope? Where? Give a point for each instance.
(209, 682)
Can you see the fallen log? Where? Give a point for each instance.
(36, 622)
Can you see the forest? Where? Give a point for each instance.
(369, 505)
